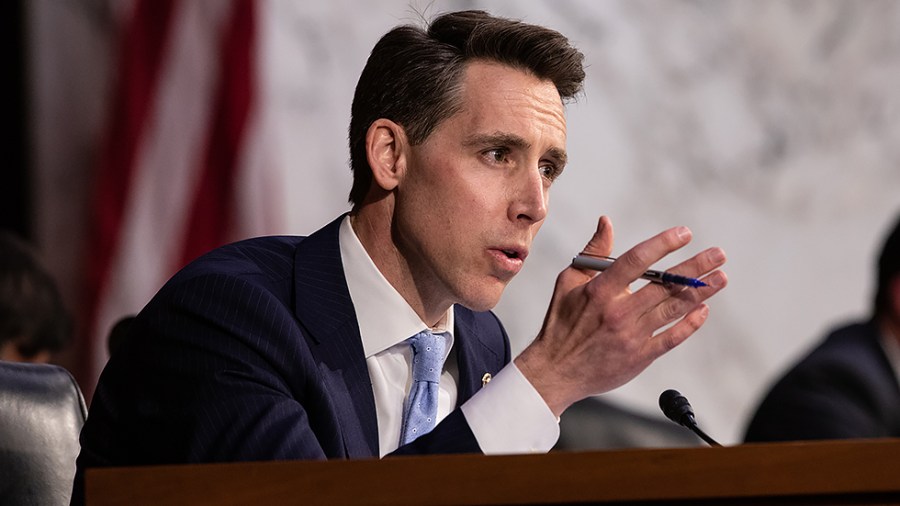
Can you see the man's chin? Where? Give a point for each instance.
(484, 299)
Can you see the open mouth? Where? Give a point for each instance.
(509, 260)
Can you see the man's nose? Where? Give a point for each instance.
(529, 198)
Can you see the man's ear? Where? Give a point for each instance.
(385, 151)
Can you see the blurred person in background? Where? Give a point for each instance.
(34, 324)
(849, 385)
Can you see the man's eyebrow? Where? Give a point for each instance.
(514, 141)
(497, 139)
(559, 155)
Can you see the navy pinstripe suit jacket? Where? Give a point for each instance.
(253, 352)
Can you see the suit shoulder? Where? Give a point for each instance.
(849, 363)
(271, 255)
(849, 345)
(263, 262)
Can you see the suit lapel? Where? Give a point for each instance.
(324, 308)
(475, 356)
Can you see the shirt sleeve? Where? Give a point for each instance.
(509, 416)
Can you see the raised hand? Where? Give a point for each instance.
(598, 334)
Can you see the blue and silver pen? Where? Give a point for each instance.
(603, 263)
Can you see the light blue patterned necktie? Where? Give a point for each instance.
(420, 410)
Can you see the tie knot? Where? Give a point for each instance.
(428, 356)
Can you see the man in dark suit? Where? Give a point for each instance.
(296, 348)
(849, 385)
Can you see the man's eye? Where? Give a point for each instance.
(498, 155)
(550, 172)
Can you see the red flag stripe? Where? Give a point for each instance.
(142, 50)
(212, 213)
(194, 112)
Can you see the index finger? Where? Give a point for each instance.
(632, 264)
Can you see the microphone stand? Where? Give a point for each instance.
(677, 408)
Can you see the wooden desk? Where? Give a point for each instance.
(836, 472)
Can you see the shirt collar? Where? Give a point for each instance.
(374, 297)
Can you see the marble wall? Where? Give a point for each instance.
(771, 128)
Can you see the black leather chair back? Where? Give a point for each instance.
(598, 424)
(41, 414)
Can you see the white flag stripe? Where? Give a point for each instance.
(166, 167)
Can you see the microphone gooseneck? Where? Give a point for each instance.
(677, 408)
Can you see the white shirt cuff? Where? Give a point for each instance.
(509, 416)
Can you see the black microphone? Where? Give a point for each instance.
(677, 408)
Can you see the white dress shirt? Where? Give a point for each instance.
(507, 416)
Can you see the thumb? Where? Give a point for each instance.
(601, 243)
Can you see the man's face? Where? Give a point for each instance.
(475, 192)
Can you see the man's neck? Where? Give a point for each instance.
(371, 224)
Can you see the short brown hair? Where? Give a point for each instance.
(413, 75)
